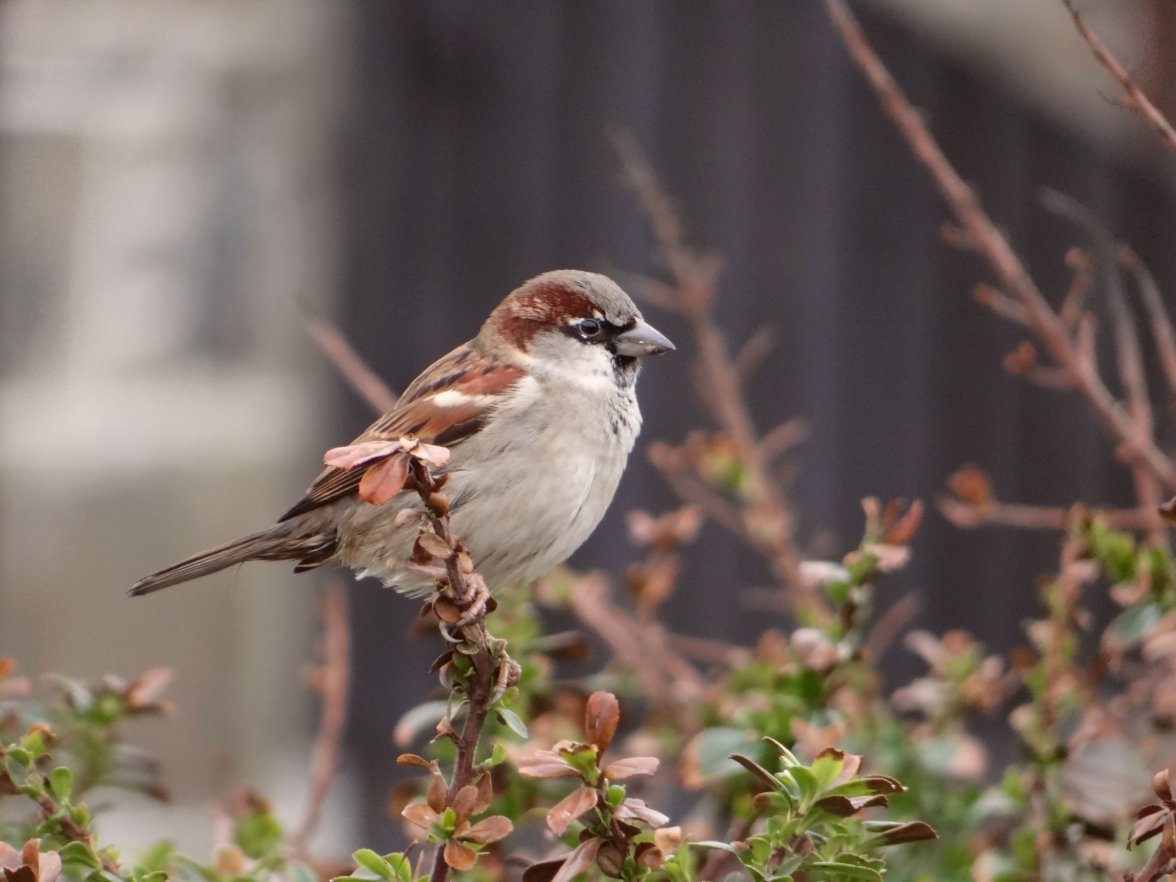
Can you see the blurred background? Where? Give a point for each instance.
(177, 178)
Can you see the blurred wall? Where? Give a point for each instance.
(167, 183)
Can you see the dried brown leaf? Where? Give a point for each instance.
(436, 792)
(411, 759)
(636, 809)
(459, 856)
(544, 764)
(465, 803)
(971, 485)
(434, 545)
(420, 815)
(356, 454)
(383, 481)
(489, 830)
(578, 861)
(619, 770)
(602, 713)
(560, 815)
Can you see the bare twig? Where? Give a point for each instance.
(1161, 323)
(358, 375)
(1127, 349)
(644, 648)
(1035, 517)
(332, 681)
(1133, 96)
(767, 515)
(990, 242)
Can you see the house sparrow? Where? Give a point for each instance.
(539, 414)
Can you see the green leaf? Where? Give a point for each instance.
(400, 864)
(369, 860)
(497, 755)
(838, 869)
(34, 743)
(512, 721)
(826, 768)
(1131, 626)
(712, 749)
(258, 833)
(806, 781)
(19, 755)
(61, 782)
(80, 854)
(157, 856)
(300, 872)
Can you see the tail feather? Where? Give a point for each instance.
(277, 543)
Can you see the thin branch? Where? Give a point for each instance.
(767, 515)
(991, 243)
(333, 680)
(644, 648)
(1161, 322)
(351, 367)
(1129, 356)
(1035, 517)
(1133, 96)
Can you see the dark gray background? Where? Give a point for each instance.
(476, 155)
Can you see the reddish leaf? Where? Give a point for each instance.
(1162, 787)
(635, 809)
(465, 802)
(578, 861)
(420, 815)
(602, 713)
(544, 764)
(435, 546)
(383, 481)
(411, 759)
(460, 857)
(844, 806)
(489, 830)
(544, 871)
(356, 454)
(569, 808)
(912, 831)
(437, 792)
(619, 770)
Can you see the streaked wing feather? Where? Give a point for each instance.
(419, 413)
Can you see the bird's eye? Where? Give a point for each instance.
(589, 329)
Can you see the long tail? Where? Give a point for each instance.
(281, 542)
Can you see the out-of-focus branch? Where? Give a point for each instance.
(331, 681)
(358, 375)
(1161, 323)
(987, 240)
(1036, 517)
(767, 516)
(1127, 348)
(644, 648)
(1133, 96)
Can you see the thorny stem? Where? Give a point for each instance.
(986, 239)
(486, 658)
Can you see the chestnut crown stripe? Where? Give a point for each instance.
(539, 307)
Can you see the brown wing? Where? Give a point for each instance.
(473, 380)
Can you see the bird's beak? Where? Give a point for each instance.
(641, 340)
